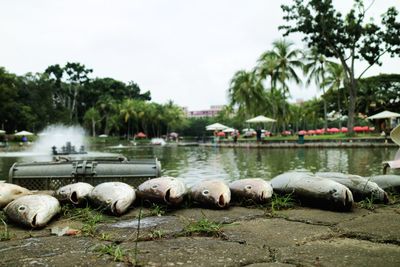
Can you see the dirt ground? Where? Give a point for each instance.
(244, 237)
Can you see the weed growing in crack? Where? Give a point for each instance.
(156, 234)
(394, 198)
(367, 203)
(88, 216)
(118, 254)
(281, 202)
(203, 227)
(157, 210)
(4, 235)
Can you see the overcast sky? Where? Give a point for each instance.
(180, 50)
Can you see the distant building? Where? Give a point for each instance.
(212, 112)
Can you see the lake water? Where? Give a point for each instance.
(197, 163)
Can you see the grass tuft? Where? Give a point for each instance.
(118, 254)
(281, 202)
(88, 216)
(367, 203)
(4, 234)
(203, 227)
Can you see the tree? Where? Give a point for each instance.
(280, 65)
(314, 68)
(77, 76)
(346, 38)
(128, 111)
(333, 81)
(92, 117)
(246, 92)
(285, 60)
(379, 93)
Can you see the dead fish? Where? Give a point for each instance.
(165, 189)
(74, 193)
(9, 192)
(33, 211)
(213, 193)
(387, 181)
(360, 187)
(255, 189)
(313, 190)
(113, 196)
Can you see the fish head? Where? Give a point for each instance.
(216, 196)
(66, 194)
(119, 206)
(30, 216)
(175, 192)
(259, 192)
(343, 197)
(380, 194)
(377, 193)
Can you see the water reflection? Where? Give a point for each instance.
(196, 163)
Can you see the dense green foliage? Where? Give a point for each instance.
(68, 95)
(347, 38)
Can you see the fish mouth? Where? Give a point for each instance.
(114, 208)
(34, 221)
(262, 198)
(385, 198)
(348, 200)
(74, 198)
(221, 201)
(167, 197)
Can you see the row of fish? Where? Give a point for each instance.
(330, 190)
(35, 210)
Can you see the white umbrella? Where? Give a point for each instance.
(2, 132)
(261, 119)
(23, 133)
(229, 130)
(384, 115)
(103, 135)
(216, 127)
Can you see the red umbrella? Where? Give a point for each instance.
(365, 128)
(221, 134)
(344, 130)
(319, 131)
(358, 129)
(302, 132)
(333, 130)
(140, 135)
(311, 132)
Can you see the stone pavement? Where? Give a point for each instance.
(248, 237)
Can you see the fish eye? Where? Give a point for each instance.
(248, 187)
(21, 208)
(206, 192)
(154, 186)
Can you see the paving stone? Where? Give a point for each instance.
(341, 252)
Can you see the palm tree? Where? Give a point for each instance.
(246, 92)
(279, 65)
(267, 65)
(333, 80)
(173, 116)
(286, 61)
(128, 111)
(315, 68)
(92, 117)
